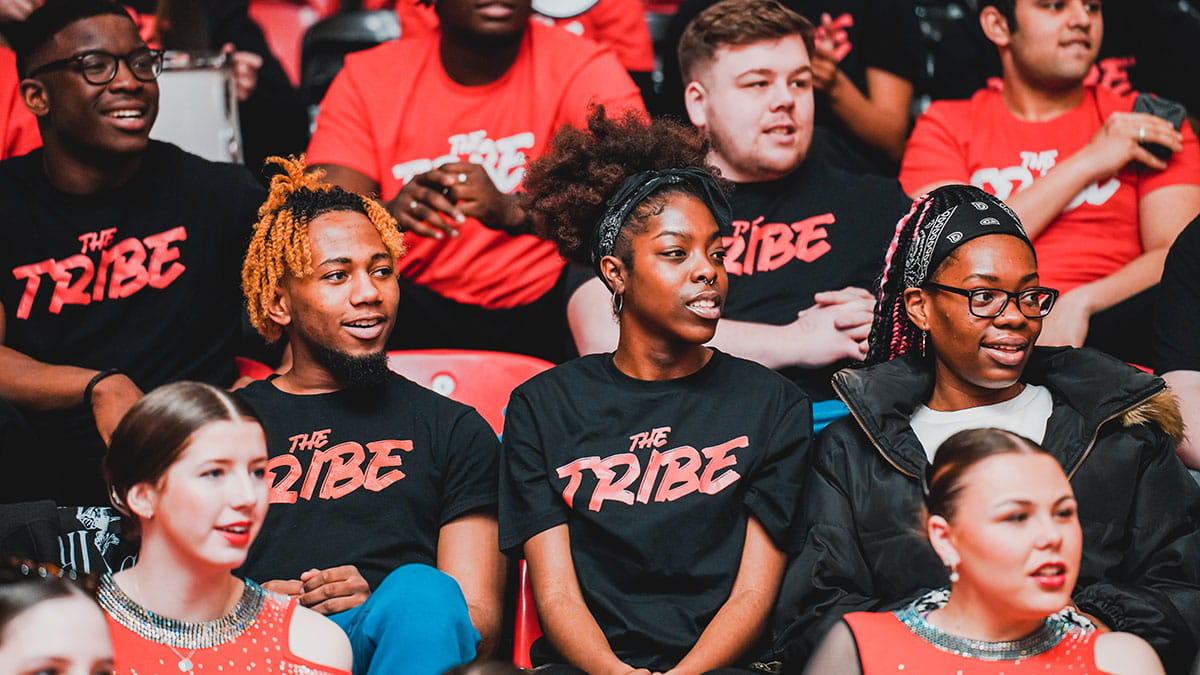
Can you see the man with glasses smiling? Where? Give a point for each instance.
(119, 255)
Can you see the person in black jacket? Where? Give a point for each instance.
(958, 313)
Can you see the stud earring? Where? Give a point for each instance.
(953, 572)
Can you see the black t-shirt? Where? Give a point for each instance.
(656, 481)
(1177, 315)
(818, 229)
(144, 278)
(366, 477)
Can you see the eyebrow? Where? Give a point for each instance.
(995, 279)
(1028, 502)
(346, 261)
(674, 232)
(770, 71)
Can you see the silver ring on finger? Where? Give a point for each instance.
(462, 177)
(1141, 134)
(412, 206)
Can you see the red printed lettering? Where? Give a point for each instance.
(606, 489)
(679, 477)
(32, 274)
(775, 248)
(161, 253)
(281, 488)
(574, 473)
(69, 289)
(383, 458)
(345, 470)
(810, 237)
(719, 458)
(128, 269)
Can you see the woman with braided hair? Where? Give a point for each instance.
(651, 490)
(958, 314)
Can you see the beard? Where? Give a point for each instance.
(353, 372)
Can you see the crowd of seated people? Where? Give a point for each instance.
(969, 289)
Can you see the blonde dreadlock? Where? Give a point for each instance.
(280, 241)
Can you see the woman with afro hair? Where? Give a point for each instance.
(651, 490)
(958, 313)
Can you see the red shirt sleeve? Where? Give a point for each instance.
(934, 152)
(600, 80)
(343, 131)
(622, 25)
(1182, 169)
(18, 127)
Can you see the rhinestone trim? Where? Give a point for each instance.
(1042, 640)
(181, 634)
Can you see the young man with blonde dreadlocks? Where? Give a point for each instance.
(375, 481)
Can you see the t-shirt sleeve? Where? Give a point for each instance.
(1182, 169)
(622, 24)
(472, 459)
(528, 501)
(933, 153)
(343, 132)
(603, 81)
(1176, 338)
(776, 487)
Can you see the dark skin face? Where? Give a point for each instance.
(481, 38)
(977, 361)
(93, 134)
(672, 293)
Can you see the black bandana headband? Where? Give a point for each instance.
(635, 189)
(979, 215)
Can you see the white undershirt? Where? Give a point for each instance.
(1024, 414)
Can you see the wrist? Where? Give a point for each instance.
(90, 390)
(517, 220)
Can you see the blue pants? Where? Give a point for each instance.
(415, 623)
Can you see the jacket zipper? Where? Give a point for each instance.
(1106, 420)
(837, 390)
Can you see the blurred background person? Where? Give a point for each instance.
(50, 624)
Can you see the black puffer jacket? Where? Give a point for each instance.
(1114, 429)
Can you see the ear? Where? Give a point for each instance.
(612, 272)
(279, 309)
(695, 99)
(916, 303)
(34, 96)
(142, 500)
(995, 26)
(942, 539)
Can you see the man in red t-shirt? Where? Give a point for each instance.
(1071, 160)
(442, 127)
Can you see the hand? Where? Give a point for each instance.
(112, 397)
(834, 329)
(289, 587)
(1067, 323)
(1118, 142)
(458, 190)
(12, 11)
(334, 590)
(824, 57)
(476, 196)
(245, 70)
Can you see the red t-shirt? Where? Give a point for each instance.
(978, 141)
(393, 113)
(618, 24)
(18, 127)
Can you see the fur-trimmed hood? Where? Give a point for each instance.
(1161, 409)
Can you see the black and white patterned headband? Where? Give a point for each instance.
(979, 215)
(635, 189)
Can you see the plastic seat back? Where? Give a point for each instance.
(327, 43)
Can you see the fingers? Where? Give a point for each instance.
(854, 320)
(291, 587)
(416, 215)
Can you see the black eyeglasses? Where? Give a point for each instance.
(989, 303)
(100, 67)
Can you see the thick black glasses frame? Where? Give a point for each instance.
(1010, 296)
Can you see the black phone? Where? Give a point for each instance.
(1166, 109)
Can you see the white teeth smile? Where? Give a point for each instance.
(1050, 571)
(125, 114)
(236, 529)
(364, 324)
(703, 304)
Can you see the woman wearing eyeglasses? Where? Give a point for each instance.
(952, 348)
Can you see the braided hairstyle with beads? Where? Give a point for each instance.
(893, 334)
(280, 242)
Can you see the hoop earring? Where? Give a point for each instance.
(618, 302)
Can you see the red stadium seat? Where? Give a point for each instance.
(480, 379)
(526, 629)
(253, 369)
(284, 22)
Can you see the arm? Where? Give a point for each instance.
(837, 655)
(1110, 149)
(1186, 385)
(1152, 591)
(880, 116)
(29, 383)
(565, 617)
(468, 551)
(328, 591)
(835, 328)
(314, 638)
(1126, 654)
(743, 616)
(1162, 214)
